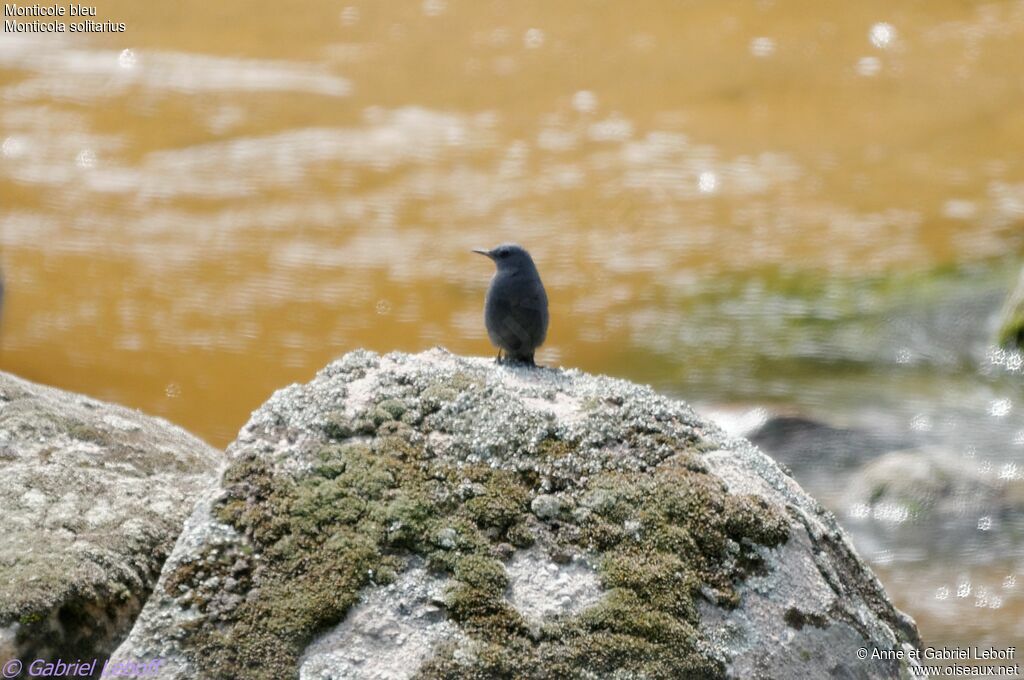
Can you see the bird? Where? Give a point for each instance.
(516, 306)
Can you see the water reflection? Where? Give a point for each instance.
(60, 70)
(812, 211)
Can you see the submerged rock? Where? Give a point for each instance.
(808, 446)
(93, 497)
(932, 501)
(433, 516)
(932, 482)
(1011, 325)
(820, 456)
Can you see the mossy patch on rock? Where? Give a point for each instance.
(365, 504)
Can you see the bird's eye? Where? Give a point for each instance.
(503, 254)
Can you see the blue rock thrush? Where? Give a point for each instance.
(516, 308)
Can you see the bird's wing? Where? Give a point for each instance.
(533, 300)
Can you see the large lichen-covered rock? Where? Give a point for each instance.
(92, 497)
(1011, 326)
(432, 516)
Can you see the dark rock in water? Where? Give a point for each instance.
(1011, 326)
(432, 516)
(808, 446)
(93, 497)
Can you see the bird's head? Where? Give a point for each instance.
(509, 257)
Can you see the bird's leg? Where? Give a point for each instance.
(498, 359)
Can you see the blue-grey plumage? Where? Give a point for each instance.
(516, 307)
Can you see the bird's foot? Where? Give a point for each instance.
(506, 359)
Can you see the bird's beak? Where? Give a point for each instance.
(485, 253)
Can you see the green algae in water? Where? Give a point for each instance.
(1011, 328)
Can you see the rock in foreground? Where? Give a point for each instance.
(93, 497)
(432, 516)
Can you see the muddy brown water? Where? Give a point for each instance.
(788, 203)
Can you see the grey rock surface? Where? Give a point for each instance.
(393, 630)
(93, 497)
(433, 516)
